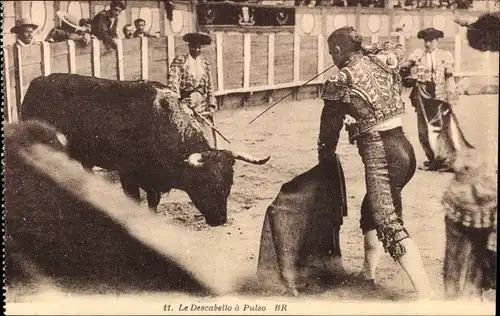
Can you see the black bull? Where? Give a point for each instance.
(75, 231)
(135, 128)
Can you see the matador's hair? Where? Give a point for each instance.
(347, 38)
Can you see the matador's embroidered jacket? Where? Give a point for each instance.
(184, 81)
(439, 70)
(373, 78)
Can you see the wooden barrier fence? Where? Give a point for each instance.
(241, 63)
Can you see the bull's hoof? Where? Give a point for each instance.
(154, 210)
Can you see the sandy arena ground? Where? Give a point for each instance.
(288, 133)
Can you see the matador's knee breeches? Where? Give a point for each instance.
(389, 164)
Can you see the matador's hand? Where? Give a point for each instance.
(349, 120)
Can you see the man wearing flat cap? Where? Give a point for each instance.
(70, 29)
(24, 29)
(190, 81)
(433, 96)
(105, 22)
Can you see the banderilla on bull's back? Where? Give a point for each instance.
(272, 105)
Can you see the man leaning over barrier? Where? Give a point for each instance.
(105, 22)
(70, 29)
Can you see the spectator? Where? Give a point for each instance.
(140, 24)
(105, 22)
(128, 31)
(24, 30)
(70, 29)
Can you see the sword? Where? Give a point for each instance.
(205, 120)
(211, 125)
(272, 105)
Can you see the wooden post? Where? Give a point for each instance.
(246, 59)
(194, 20)
(421, 19)
(170, 49)
(220, 65)
(270, 65)
(321, 61)
(162, 18)
(18, 9)
(144, 58)
(296, 58)
(391, 20)
(129, 15)
(458, 53)
(46, 58)
(270, 60)
(324, 20)
(321, 56)
(7, 104)
(71, 57)
(96, 58)
(57, 7)
(357, 22)
(489, 71)
(18, 66)
(402, 39)
(119, 60)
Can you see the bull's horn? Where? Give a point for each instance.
(248, 158)
(195, 160)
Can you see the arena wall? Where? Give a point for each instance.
(248, 68)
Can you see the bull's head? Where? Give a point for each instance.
(209, 179)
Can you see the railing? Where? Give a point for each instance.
(408, 4)
(241, 63)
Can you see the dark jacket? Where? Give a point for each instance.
(59, 34)
(103, 29)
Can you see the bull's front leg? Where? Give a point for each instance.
(130, 186)
(154, 197)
